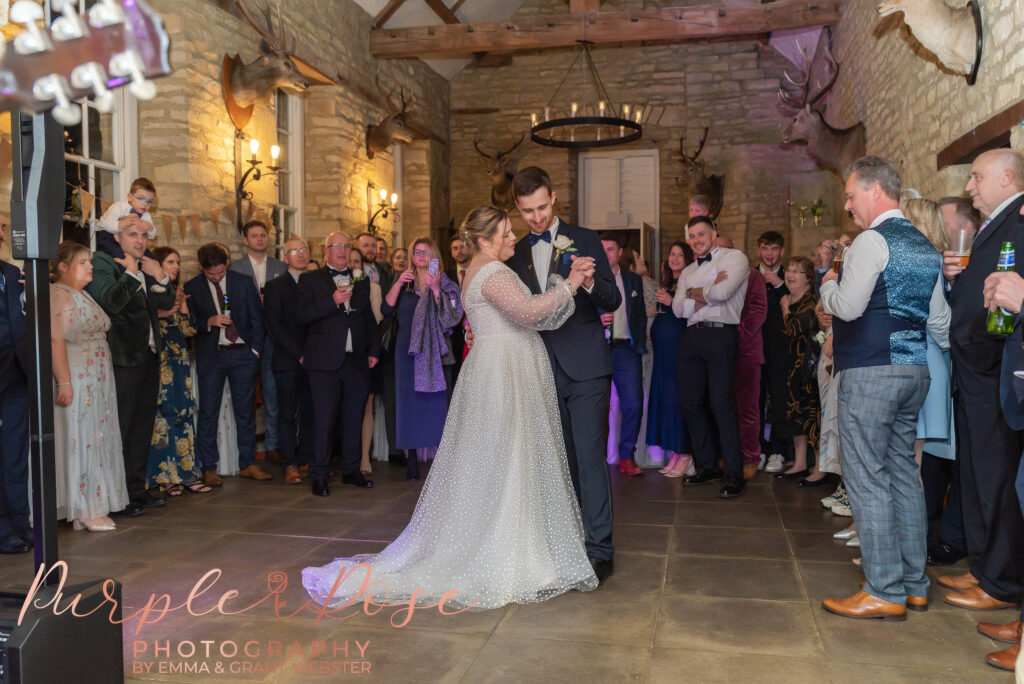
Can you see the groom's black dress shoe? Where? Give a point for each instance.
(130, 511)
(732, 488)
(702, 476)
(320, 488)
(602, 568)
(356, 480)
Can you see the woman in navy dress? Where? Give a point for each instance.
(665, 426)
(421, 351)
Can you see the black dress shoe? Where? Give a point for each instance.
(130, 511)
(397, 460)
(150, 501)
(25, 535)
(795, 475)
(811, 483)
(702, 476)
(356, 480)
(732, 488)
(14, 544)
(603, 568)
(320, 488)
(944, 554)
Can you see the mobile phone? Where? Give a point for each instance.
(433, 266)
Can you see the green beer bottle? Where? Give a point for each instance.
(225, 307)
(1000, 321)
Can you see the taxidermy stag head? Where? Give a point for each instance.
(833, 148)
(380, 136)
(697, 180)
(950, 34)
(501, 177)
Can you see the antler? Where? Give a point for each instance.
(516, 144)
(700, 147)
(387, 95)
(805, 99)
(278, 42)
(834, 68)
(476, 144)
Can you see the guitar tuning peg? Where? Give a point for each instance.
(69, 26)
(128, 64)
(91, 76)
(105, 13)
(27, 13)
(54, 87)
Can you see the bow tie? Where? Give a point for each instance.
(703, 259)
(537, 237)
(344, 272)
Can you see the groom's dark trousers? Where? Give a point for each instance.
(582, 366)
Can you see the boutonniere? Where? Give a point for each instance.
(357, 275)
(562, 245)
(821, 337)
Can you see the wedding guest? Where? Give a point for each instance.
(461, 257)
(295, 400)
(373, 265)
(86, 397)
(821, 256)
(15, 530)
(710, 296)
(802, 408)
(957, 213)
(228, 318)
(172, 452)
(665, 425)
(342, 346)
(427, 304)
(700, 205)
(889, 294)
(400, 260)
(313, 265)
(134, 208)
(987, 449)
(627, 327)
(771, 250)
(131, 289)
(356, 263)
(382, 252)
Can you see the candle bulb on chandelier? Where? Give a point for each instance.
(600, 108)
(638, 114)
(547, 113)
(394, 199)
(533, 119)
(625, 111)
(574, 107)
(254, 147)
(275, 152)
(383, 195)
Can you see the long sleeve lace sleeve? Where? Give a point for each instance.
(62, 314)
(546, 311)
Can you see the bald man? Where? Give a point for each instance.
(988, 450)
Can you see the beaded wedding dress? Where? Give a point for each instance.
(497, 520)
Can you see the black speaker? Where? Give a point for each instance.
(56, 649)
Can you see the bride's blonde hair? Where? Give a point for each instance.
(482, 222)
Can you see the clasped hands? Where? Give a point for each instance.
(582, 272)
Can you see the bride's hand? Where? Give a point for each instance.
(577, 277)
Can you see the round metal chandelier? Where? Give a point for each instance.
(589, 124)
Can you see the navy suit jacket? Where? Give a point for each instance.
(636, 311)
(327, 324)
(246, 313)
(1011, 388)
(280, 314)
(275, 267)
(14, 366)
(579, 346)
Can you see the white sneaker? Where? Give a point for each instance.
(775, 464)
(760, 464)
(834, 497)
(842, 508)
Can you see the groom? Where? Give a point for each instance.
(578, 351)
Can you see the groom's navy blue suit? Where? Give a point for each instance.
(582, 367)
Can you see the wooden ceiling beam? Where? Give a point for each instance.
(562, 30)
(578, 6)
(441, 10)
(386, 13)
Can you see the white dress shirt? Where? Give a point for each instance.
(141, 277)
(340, 282)
(1002, 206)
(541, 253)
(724, 299)
(865, 260)
(259, 272)
(217, 301)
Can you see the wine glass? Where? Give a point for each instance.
(346, 281)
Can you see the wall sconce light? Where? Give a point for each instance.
(384, 208)
(254, 173)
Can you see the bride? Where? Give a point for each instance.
(497, 520)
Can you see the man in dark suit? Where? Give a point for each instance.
(295, 401)
(771, 248)
(342, 345)
(580, 356)
(376, 269)
(228, 319)
(627, 326)
(130, 290)
(263, 268)
(988, 449)
(15, 532)
(458, 338)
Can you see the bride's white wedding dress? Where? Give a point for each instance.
(497, 520)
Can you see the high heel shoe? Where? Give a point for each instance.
(671, 464)
(106, 526)
(368, 470)
(681, 467)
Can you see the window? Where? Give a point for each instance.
(619, 190)
(289, 210)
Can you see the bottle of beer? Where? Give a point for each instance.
(225, 306)
(1000, 321)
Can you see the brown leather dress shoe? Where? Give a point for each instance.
(749, 471)
(292, 476)
(958, 582)
(304, 469)
(629, 467)
(212, 479)
(975, 598)
(254, 472)
(1005, 659)
(1010, 633)
(918, 603)
(862, 606)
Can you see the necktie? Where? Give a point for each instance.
(535, 237)
(461, 274)
(231, 332)
(703, 259)
(343, 272)
(983, 226)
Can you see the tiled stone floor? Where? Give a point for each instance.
(704, 591)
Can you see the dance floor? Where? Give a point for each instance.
(703, 591)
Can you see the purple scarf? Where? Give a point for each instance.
(427, 343)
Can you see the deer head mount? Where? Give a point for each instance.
(394, 127)
(501, 178)
(697, 180)
(830, 147)
(244, 85)
(952, 35)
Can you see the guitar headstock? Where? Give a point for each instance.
(118, 42)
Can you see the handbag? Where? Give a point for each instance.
(388, 327)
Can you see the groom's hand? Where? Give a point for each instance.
(586, 266)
